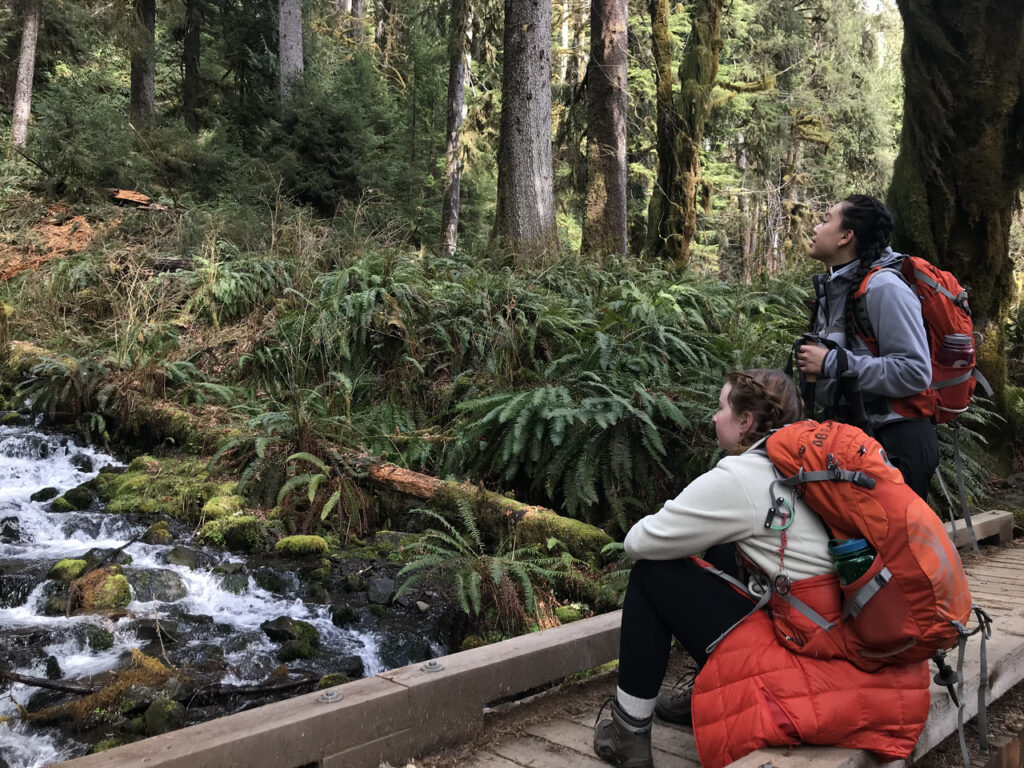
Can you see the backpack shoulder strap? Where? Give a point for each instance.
(861, 319)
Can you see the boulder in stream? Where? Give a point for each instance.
(158, 533)
(79, 498)
(103, 588)
(44, 494)
(107, 556)
(10, 530)
(161, 584)
(285, 628)
(193, 559)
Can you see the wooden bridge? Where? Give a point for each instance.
(446, 712)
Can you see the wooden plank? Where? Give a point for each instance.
(490, 760)
(531, 752)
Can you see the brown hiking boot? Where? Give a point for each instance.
(624, 741)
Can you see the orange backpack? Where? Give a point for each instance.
(914, 600)
(945, 311)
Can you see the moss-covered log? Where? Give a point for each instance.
(961, 159)
(533, 524)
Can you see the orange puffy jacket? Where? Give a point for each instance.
(753, 692)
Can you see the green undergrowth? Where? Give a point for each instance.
(282, 345)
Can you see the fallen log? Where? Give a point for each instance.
(533, 524)
(217, 691)
(53, 685)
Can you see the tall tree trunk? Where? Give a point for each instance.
(673, 207)
(578, 60)
(961, 159)
(384, 30)
(289, 47)
(563, 55)
(26, 71)
(143, 64)
(604, 222)
(525, 216)
(190, 55)
(357, 20)
(457, 39)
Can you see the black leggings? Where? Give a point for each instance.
(667, 598)
(913, 448)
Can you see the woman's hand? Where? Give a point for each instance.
(810, 358)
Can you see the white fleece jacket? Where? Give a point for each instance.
(729, 504)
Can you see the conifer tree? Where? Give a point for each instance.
(26, 71)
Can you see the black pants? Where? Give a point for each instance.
(913, 448)
(667, 598)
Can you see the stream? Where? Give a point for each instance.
(213, 610)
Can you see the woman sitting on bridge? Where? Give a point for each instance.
(751, 691)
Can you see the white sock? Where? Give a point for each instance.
(635, 707)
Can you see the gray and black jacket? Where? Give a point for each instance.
(903, 365)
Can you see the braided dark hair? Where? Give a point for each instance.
(769, 395)
(871, 221)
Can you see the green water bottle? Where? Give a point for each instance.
(852, 558)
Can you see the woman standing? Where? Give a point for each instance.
(851, 240)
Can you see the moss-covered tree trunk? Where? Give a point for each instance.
(961, 156)
(604, 221)
(672, 215)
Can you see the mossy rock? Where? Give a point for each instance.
(567, 614)
(296, 649)
(10, 418)
(104, 588)
(342, 615)
(172, 488)
(243, 533)
(99, 639)
(285, 629)
(158, 533)
(80, 498)
(67, 570)
(223, 506)
(331, 680)
(44, 494)
(162, 716)
(301, 546)
(471, 642)
(61, 504)
(106, 744)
